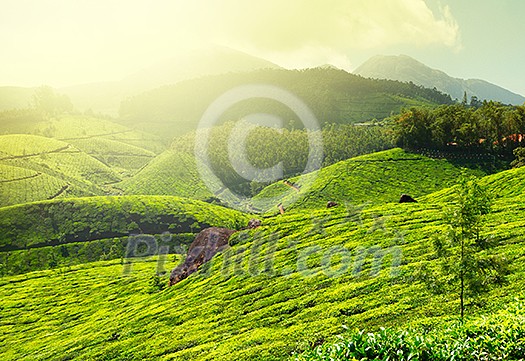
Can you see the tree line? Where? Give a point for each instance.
(266, 147)
(490, 127)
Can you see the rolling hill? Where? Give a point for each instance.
(171, 173)
(57, 159)
(375, 178)
(22, 185)
(67, 231)
(68, 156)
(293, 283)
(405, 68)
(334, 96)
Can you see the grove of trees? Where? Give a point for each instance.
(489, 126)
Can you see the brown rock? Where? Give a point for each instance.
(207, 244)
(254, 223)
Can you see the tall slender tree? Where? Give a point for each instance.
(468, 270)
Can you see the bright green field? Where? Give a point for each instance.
(279, 289)
(374, 178)
(171, 173)
(22, 185)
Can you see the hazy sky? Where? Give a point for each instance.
(63, 42)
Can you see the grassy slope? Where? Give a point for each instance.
(74, 127)
(114, 153)
(232, 309)
(374, 178)
(74, 156)
(22, 185)
(61, 165)
(171, 173)
(85, 219)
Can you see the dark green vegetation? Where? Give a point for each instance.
(460, 248)
(265, 148)
(490, 127)
(56, 233)
(279, 289)
(519, 153)
(334, 96)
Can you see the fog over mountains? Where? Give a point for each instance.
(106, 97)
(405, 68)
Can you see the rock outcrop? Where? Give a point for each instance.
(206, 245)
(254, 223)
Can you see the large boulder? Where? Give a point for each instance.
(207, 244)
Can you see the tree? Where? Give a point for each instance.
(519, 153)
(412, 128)
(467, 270)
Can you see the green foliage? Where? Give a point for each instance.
(489, 127)
(171, 173)
(32, 231)
(22, 185)
(265, 148)
(519, 153)
(251, 301)
(497, 337)
(49, 103)
(48, 257)
(156, 283)
(468, 271)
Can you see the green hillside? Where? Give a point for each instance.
(57, 159)
(123, 157)
(280, 289)
(46, 234)
(22, 185)
(334, 96)
(373, 179)
(78, 127)
(171, 173)
(73, 155)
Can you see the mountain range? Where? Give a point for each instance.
(405, 68)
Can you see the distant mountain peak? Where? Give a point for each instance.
(405, 68)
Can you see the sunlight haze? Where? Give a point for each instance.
(61, 43)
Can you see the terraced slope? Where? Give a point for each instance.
(374, 178)
(125, 158)
(22, 185)
(62, 169)
(279, 289)
(76, 127)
